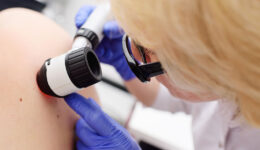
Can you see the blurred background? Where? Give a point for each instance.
(153, 129)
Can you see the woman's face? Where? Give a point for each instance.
(168, 83)
(184, 94)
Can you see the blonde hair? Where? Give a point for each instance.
(215, 43)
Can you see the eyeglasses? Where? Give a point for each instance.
(143, 71)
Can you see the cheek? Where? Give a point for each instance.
(164, 80)
(183, 94)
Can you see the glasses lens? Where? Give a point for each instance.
(135, 54)
(135, 51)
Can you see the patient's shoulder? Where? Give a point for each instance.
(32, 31)
(27, 39)
(28, 119)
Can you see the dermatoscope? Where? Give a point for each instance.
(79, 67)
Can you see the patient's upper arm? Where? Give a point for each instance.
(28, 119)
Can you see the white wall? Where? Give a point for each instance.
(64, 11)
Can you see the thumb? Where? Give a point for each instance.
(91, 113)
(83, 14)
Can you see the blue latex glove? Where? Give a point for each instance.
(110, 49)
(96, 130)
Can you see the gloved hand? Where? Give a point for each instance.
(96, 130)
(110, 50)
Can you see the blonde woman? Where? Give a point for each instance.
(202, 51)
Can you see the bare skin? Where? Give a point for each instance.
(30, 120)
(144, 92)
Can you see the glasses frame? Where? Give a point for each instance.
(144, 72)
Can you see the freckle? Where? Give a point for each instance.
(58, 116)
(20, 99)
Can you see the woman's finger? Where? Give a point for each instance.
(112, 30)
(83, 14)
(92, 114)
(86, 134)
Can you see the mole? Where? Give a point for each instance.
(20, 99)
(58, 116)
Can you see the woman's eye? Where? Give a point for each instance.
(143, 54)
(147, 54)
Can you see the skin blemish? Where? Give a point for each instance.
(21, 99)
(58, 116)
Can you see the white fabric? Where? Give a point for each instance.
(216, 125)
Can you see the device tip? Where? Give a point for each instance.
(42, 82)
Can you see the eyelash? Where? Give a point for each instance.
(147, 52)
